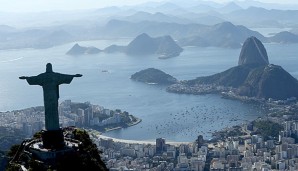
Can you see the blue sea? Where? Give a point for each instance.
(175, 117)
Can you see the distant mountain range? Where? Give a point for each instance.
(284, 37)
(12, 38)
(261, 17)
(191, 23)
(253, 77)
(250, 14)
(155, 17)
(224, 34)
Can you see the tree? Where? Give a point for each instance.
(268, 128)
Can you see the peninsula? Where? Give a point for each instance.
(253, 78)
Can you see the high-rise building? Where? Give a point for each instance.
(88, 115)
(200, 141)
(160, 145)
(80, 113)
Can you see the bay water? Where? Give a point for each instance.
(106, 82)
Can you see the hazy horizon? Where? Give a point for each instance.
(51, 5)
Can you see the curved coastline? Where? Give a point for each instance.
(138, 120)
(96, 134)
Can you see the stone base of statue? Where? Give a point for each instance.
(53, 139)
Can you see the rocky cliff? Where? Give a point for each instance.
(270, 81)
(253, 52)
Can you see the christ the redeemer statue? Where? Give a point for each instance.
(50, 82)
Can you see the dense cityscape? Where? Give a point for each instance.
(239, 148)
(246, 152)
(31, 120)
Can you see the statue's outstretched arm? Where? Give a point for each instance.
(23, 77)
(78, 75)
(34, 80)
(65, 78)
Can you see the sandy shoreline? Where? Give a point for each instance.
(151, 142)
(129, 125)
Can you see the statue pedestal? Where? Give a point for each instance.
(53, 139)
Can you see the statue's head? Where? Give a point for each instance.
(49, 67)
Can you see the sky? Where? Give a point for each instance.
(48, 5)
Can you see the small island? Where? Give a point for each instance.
(81, 50)
(143, 45)
(154, 76)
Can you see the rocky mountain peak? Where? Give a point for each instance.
(253, 52)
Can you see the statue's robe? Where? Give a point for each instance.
(50, 82)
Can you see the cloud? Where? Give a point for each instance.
(47, 5)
